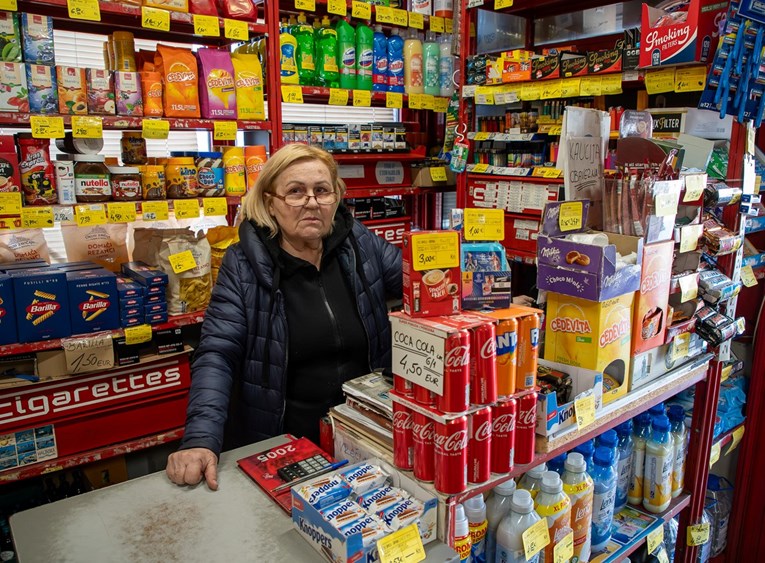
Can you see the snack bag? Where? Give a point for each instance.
(188, 291)
(217, 93)
(180, 77)
(239, 10)
(203, 7)
(248, 77)
(220, 238)
(151, 84)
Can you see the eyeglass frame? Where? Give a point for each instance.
(307, 198)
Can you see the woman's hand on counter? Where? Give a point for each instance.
(188, 467)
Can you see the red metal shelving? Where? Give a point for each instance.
(532, 179)
(119, 122)
(411, 156)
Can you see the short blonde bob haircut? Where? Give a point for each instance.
(255, 204)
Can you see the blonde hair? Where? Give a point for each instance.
(254, 204)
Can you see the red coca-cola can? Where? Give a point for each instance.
(424, 458)
(403, 437)
(483, 365)
(479, 446)
(525, 432)
(456, 396)
(424, 396)
(451, 455)
(503, 436)
(403, 387)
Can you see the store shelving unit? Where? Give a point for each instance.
(121, 122)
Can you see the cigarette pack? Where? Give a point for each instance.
(94, 301)
(42, 304)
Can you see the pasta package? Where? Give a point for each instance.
(187, 291)
(106, 245)
(220, 238)
(248, 77)
(180, 76)
(23, 244)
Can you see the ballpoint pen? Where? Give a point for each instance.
(328, 469)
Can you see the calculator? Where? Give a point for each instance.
(302, 468)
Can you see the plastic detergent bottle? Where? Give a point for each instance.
(305, 51)
(640, 435)
(430, 57)
(346, 53)
(624, 465)
(577, 484)
(413, 79)
(610, 440)
(327, 72)
(379, 61)
(510, 531)
(657, 481)
(555, 505)
(443, 8)
(292, 25)
(421, 6)
(604, 481)
(497, 508)
(461, 534)
(364, 56)
(532, 479)
(475, 509)
(287, 64)
(445, 66)
(557, 464)
(587, 449)
(676, 415)
(395, 62)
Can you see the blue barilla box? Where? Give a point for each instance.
(93, 299)
(7, 311)
(42, 304)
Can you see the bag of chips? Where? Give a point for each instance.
(23, 244)
(106, 245)
(238, 9)
(190, 290)
(181, 78)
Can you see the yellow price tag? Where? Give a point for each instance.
(400, 546)
(564, 549)
(530, 91)
(591, 86)
(137, 334)
(416, 20)
(690, 79)
(535, 538)
(714, 454)
(224, 131)
(394, 100)
(546, 172)
(694, 186)
(236, 30)
(570, 87)
(440, 105)
(206, 26)
(87, 127)
(448, 25)
(689, 237)
(37, 217)
(182, 261)
(9, 5)
(436, 24)
(154, 18)
(292, 94)
(570, 218)
(155, 210)
(416, 101)
(215, 206)
(484, 95)
(655, 538)
(697, 534)
(726, 371)
(305, 5)
(738, 434)
(665, 204)
(155, 129)
(89, 215)
(83, 10)
(44, 127)
(555, 130)
(660, 81)
(186, 208)
(551, 89)
(361, 10)
(338, 97)
(484, 224)
(689, 287)
(611, 84)
(480, 168)
(337, 7)
(383, 14)
(584, 407)
(438, 174)
(748, 277)
(10, 203)
(121, 212)
(482, 136)
(678, 350)
(400, 17)
(435, 250)
(362, 98)
(502, 4)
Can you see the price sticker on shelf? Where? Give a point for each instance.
(551, 89)
(440, 105)
(83, 10)
(361, 10)
(591, 86)
(482, 136)
(215, 206)
(338, 97)
(10, 203)
(555, 130)
(748, 277)
(292, 94)
(484, 95)
(224, 131)
(679, 347)
(484, 224)
(531, 91)
(690, 79)
(697, 534)
(665, 204)
(546, 172)
(63, 214)
(738, 434)
(438, 174)
(154, 18)
(502, 4)
(714, 454)
(564, 549)
(611, 84)
(305, 5)
(137, 334)
(9, 5)
(480, 169)
(182, 261)
(400, 17)
(570, 217)
(206, 26)
(186, 208)
(337, 7)
(362, 98)
(155, 129)
(448, 25)
(37, 217)
(44, 127)
(400, 546)
(535, 538)
(121, 212)
(689, 287)
(584, 407)
(89, 215)
(87, 127)
(694, 187)
(660, 81)
(394, 100)
(655, 538)
(155, 211)
(436, 24)
(570, 87)
(416, 101)
(437, 250)
(236, 30)
(416, 20)
(689, 237)
(383, 14)
(726, 371)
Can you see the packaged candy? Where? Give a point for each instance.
(364, 478)
(325, 492)
(181, 77)
(218, 95)
(379, 500)
(203, 7)
(402, 514)
(371, 529)
(36, 168)
(343, 513)
(239, 10)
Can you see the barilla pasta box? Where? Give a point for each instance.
(156, 318)
(594, 335)
(127, 288)
(651, 301)
(155, 308)
(23, 265)
(7, 311)
(42, 304)
(144, 274)
(431, 267)
(94, 301)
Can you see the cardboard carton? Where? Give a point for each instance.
(553, 417)
(651, 301)
(652, 364)
(431, 268)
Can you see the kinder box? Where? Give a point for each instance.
(651, 302)
(42, 304)
(592, 335)
(7, 311)
(552, 415)
(648, 366)
(93, 299)
(431, 269)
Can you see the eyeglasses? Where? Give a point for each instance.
(299, 199)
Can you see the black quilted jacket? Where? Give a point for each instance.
(239, 370)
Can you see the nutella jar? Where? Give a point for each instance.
(91, 179)
(126, 183)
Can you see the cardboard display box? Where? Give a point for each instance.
(553, 417)
(648, 366)
(651, 301)
(431, 269)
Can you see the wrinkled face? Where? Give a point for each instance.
(312, 221)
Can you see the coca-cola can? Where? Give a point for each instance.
(424, 457)
(503, 436)
(525, 432)
(403, 387)
(403, 437)
(456, 395)
(483, 363)
(424, 396)
(451, 455)
(479, 446)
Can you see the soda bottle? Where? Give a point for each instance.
(640, 435)
(497, 508)
(555, 505)
(657, 480)
(510, 531)
(676, 415)
(604, 482)
(624, 465)
(475, 509)
(532, 480)
(577, 484)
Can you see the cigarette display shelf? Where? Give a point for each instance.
(414, 155)
(121, 122)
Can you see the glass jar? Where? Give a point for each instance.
(210, 174)
(133, 147)
(126, 183)
(153, 181)
(91, 179)
(181, 177)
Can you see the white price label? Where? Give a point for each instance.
(418, 356)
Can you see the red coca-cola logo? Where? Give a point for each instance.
(453, 443)
(47, 307)
(423, 432)
(402, 420)
(458, 356)
(483, 432)
(489, 349)
(527, 418)
(504, 424)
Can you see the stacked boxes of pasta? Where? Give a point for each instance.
(142, 294)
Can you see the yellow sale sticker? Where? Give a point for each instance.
(405, 545)
(480, 168)
(37, 217)
(437, 173)
(154, 18)
(305, 5)
(660, 81)
(435, 250)
(137, 334)
(292, 94)
(551, 89)
(87, 127)
(448, 25)
(570, 87)
(564, 549)
(44, 127)
(655, 538)
(182, 261)
(584, 407)
(89, 215)
(394, 100)
(440, 105)
(236, 30)
(9, 5)
(383, 14)
(10, 203)
(502, 4)
(224, 131)
(535, 538)
(206, 26)
(690, 79)
(337, 7)
(155, 210)
(362, 98)
(570, 218)
(591, 86)
(400, 17)
(665, 204)
(679, 347)
(694, 186)
(186, 208)
(747, 276)
(361, 10)
(611, 84)
(436, 24)
(698, 534)
(689, 287)
(738, 434)
(416, 20)
(338, 97)
(689, 237)
(83, 10)
(530, 91)
(215, 206)
(484, 224)
(155, 129)
(121, 212)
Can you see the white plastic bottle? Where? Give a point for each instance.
(445, 66)
(430, 57)
(497, 508)
(604, 481)
(555, 505)
(443, 8)
(461, 542)
(532, 480)
(510, 531)
(577, 484)
(659, 459)
(475, 509)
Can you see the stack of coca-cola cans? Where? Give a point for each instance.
(471, 430)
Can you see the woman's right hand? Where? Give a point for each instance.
(187, 467)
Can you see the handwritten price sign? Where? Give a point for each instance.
(418, 356)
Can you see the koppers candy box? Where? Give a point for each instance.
(431, 273)
(7, 311)
(94, 302)
(42, 304)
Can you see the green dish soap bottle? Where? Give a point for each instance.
(305, 51)
(346, 53)
(364, 56)
(327, 72)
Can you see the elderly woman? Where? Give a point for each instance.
(299, 308)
